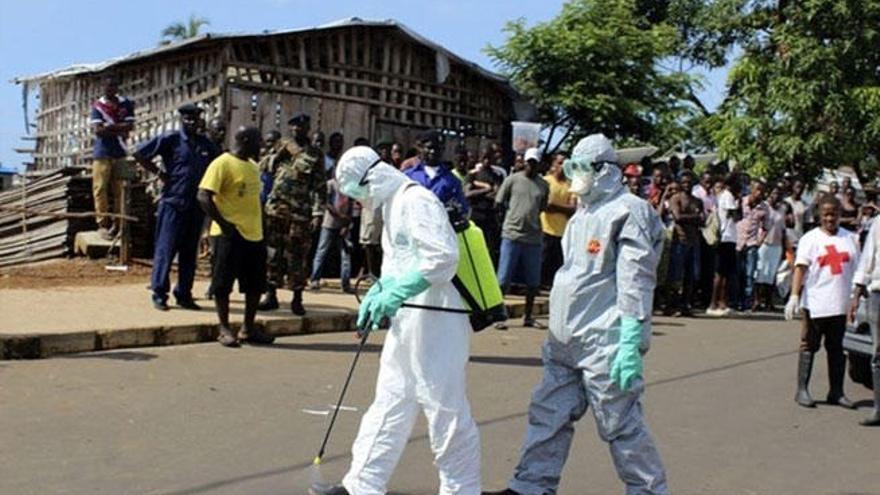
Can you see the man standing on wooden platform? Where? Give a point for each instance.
(295, 208)
(185, 156)
(111, 118)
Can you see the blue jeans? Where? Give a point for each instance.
(519, 261)
(750, 255)
(327, 238)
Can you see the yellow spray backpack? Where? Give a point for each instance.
(476, 281)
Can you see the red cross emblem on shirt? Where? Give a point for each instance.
(834, 259)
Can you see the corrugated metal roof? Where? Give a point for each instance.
(78, 69)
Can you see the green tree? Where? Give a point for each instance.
(595, 68)
(804, 93)
(184, 30)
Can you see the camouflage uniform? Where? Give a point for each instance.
(298, 194)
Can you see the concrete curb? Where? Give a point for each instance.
(43, 345)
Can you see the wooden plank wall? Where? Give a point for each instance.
(377, 67)
(158, 87)
(374, 68)
(268, 110)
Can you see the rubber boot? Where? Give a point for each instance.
(874, 419)
(528, 319)
(836, 374)
(805, 368)
(269, 302)
(506, 491)
(328, 490)
(296, 305)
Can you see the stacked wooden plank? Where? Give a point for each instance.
(29, 232)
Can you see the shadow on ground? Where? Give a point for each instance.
(116, 356)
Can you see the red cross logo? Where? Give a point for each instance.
(834, 259)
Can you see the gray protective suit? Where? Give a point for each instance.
(611, 248)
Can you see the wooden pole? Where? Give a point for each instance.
(125, 242)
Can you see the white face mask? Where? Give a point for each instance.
(582, 183)
(582, 174)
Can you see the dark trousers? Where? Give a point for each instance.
(373, 259)
(707, 271)
(552, 258)
(488, 223)
(831, 329)
(177, 234)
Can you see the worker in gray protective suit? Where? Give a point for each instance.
(600, 311)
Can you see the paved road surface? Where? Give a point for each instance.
(201, 419)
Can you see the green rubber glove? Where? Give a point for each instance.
(377, 287)
(627, 363)
(388, 301)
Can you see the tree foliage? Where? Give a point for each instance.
(183, 30)
(805, 92)
(594, 68)
(803, 89)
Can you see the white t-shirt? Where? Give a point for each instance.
(831, 262)
(727, 202)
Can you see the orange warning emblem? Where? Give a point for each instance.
(593, 247)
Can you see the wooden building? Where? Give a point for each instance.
(373, 79)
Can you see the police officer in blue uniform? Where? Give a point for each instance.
(185, 156)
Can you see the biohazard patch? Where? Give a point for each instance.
(594, 246)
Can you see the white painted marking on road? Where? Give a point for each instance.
(316, 413)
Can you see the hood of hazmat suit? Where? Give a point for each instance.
(425, 352)
(611, 247)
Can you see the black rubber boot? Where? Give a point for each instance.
(836, 374)
(506, 491)
(296, 305)
(805, 368)
(874, 419)
(328, 490)
(269, 302)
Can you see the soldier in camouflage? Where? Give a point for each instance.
(294, 209)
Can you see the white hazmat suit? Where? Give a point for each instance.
(610, 248)
(426, 352)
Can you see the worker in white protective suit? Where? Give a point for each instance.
(600, 312)
(426, 351)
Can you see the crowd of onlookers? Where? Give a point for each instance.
(731, 238)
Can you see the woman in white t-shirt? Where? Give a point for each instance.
(826, 261)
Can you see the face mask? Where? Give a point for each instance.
(355, 190)
(581, 184)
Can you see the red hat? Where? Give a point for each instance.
(632, 170)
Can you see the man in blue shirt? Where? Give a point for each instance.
(431, 173)
(185, 157)
(111, 118)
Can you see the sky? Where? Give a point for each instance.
(42, 35)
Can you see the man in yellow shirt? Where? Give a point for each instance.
(230, 194)
(561, 206)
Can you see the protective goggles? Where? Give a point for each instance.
(580, 166)
(363, 182)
